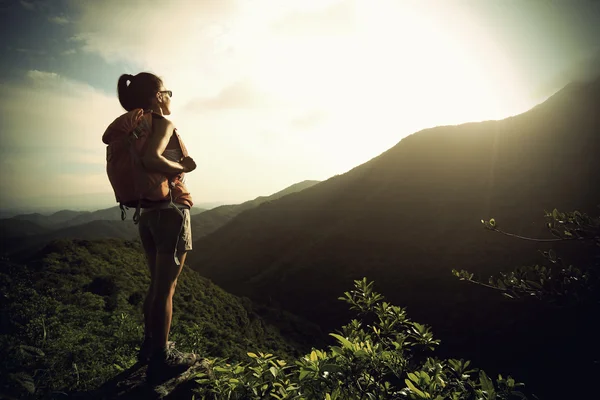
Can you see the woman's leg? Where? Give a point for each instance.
(150, 296)
(150, 253)
(167, 272)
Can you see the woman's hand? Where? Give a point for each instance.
(188, 164)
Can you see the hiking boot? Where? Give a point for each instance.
(145, 352)
(169, 361)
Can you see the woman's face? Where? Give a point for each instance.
(164, 100)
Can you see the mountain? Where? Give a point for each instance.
(36, 218)
(30, 232)
(69, 218)
(418, 206)
(39, 225)
(88, 296)
(10, 228)
(55, 220)
(196, 210)
(107, 214)
(98, 229)
(64, 216)
(211, 220)
(407, 217)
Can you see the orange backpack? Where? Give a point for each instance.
(134, 186)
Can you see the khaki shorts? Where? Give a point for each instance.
(166, 230)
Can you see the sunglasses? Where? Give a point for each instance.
(170, 93)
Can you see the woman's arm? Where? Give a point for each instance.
(162, 130)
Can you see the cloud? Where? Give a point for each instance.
(197, 47)
(181, 41)
(51, 128)
(69, 52)
(43, 76)
(58, 20)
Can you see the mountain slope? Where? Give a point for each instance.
(211, 220)
(410, 215)
(10, 228)
(418, 205)
(66, 218)
(98, 229)
(88, 295)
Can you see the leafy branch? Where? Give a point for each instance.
(557, 281)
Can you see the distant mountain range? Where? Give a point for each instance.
(28, 232)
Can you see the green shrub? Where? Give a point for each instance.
(381, 355)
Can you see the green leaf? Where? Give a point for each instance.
(303, 374)
(361, 354)
(486, 383)
(414, 389)
(413, 377)
(345, 342)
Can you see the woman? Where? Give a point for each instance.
(164, 226)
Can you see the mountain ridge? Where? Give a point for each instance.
(211, 220)
(407, 217)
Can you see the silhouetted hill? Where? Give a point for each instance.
(99, 229)
(211, 220)
(36, 218)
(197, 210)
(419, 204)
(107, 214)
(410, 215)
(10, 228)
(62, 218)
(53, 220)
(64, 215)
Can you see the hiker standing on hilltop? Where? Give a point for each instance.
(151, 177)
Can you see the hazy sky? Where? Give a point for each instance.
(268, 92)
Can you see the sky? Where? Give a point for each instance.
(268, 93)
